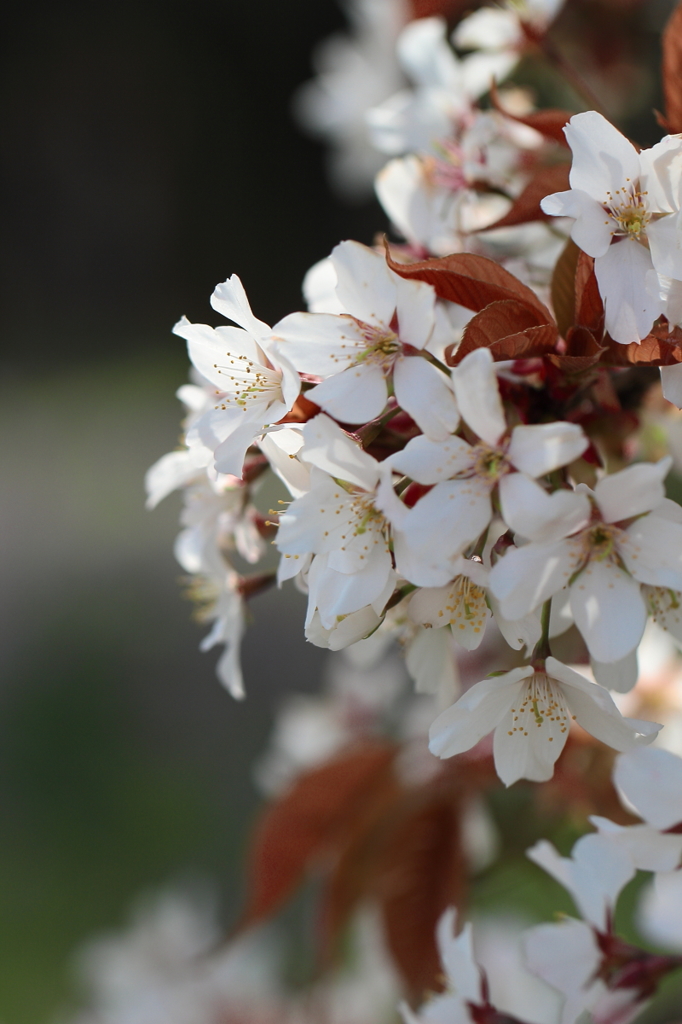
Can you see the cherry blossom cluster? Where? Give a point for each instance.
(440, 430)
(421, 503)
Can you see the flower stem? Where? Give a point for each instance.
(576, 81)
(542, 648)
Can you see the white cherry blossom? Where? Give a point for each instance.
(460, 604)
(354, 71)
(616, 539)
(625, 207)
(255, 386)
(340, 522)
(415, 119)
(501, 28)
(459, 507)
(530, 711)
(381, 341)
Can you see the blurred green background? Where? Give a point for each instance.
(148, 152)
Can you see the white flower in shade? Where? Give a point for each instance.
(659, 915)
(220, 601)
(530, 712)
(461, 604)
(340, 522)
(381, 341)
(602, 559)
(501, 29)
(459, 507)
(255, 387)
(437, 201)
(413, 120)
(354, 72)
(594, 875)
(625, 207)
(566, 955)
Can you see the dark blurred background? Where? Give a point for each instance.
(147, 153)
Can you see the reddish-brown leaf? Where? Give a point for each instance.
(672, 71)
(544, 182)
(582, 351)
(450, 9)
(423, 872)
(589, 308)
(470, 280)
(549, 123)
(660, 348)
(563, 287)
(510, 329)
(312, 820)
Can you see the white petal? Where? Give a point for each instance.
(632, 491)
(593, 228)
(230, 453)
(647, 848)
(424, 392)
(518, 633)
(620, 676)
(532, 513)
(430, 462)
(596, 712)
(476, 713)
(665, 608)
(528, 756)
(229, 298)
(319, 288)
(594, 875)
(210, 349)
(629, 306)
(608, 609)
(415, 309)
(526, 577)
(565, 955)
(603, 159)
(488, 28)
(478, 396)
(456, 512)
(661, 909)
(457, 957)
(651, 780)
(366, 286)
(430, 662)
(174, 470)
(319, 343)
(356, 395)
(459, 605)
(337, 593)
(537, 450)
(671, 379)
(664, 243)
(653, 551)
(330, 449)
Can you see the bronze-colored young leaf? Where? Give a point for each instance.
(589, 308)
(671, 44)
(510, 329)
(423, 872)
(526, 207)
(582, 352)
(312, 820)
(470, 280)
(563, 287)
